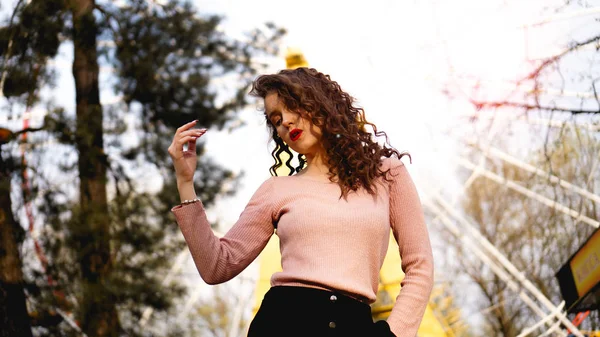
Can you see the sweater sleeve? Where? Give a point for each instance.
(221, 259)
(410, 231)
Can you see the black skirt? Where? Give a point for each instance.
(300, 311)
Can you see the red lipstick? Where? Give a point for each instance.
(295, 134)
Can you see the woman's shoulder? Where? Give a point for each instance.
(277, 187)
(283, 185)
(391, 163)
(273, 182)
(267, 190)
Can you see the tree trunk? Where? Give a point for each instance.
(98, 314)
(14, 319)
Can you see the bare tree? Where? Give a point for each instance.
(536, 238)
(567, 82)
(222, 314)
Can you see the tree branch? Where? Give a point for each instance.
(499, 104)
(534, 74)
(596, 91)
(28, 130)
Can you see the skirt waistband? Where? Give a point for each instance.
(297, 311)
(314, 297)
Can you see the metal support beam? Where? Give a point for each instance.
(513, 271)
(491, 151)
(527, 192)
(545, 320)
(504, 276)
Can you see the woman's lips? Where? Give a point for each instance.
(295, 134)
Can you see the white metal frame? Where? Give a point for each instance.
(487, 253)
(529, 193)
(481, 247)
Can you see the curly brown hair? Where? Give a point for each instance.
(352, 154)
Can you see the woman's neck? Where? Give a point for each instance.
(316, 165)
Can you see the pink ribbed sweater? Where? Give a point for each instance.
(326, 242)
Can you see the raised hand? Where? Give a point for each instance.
(185, 161)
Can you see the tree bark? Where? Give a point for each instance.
(14, 318)
(98, 314)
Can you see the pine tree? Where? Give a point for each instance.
(14, 320)
(109, 245)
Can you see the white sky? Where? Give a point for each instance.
(395, 57)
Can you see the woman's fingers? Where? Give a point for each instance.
(184, 159)
(182, 136)
(185, 127)
(191, 149)
(194, 132)
(189, 137)
(183, 140)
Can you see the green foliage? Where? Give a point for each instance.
(170, 65)
(25, 48)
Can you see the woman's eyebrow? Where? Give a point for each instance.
(270, 113)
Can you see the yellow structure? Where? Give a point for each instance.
(390, 276)
(389, 287)
(391, 272)
(294, 58)
(585, 265)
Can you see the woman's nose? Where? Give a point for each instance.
(287, 121)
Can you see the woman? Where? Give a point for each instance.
(333, 217)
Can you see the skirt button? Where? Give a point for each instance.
(332, 325)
